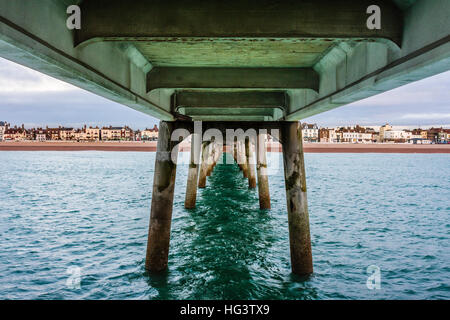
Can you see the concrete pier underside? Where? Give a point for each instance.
(231, 64)
(288, 133)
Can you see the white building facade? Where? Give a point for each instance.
(310, 132)
(2, 129)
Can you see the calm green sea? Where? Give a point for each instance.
(69, 216)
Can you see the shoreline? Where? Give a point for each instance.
(150, 146)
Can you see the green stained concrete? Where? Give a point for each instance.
(233, 78)
(116, 19)
(230, 99)
(122, 45)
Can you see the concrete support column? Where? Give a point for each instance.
(261, 168)
(194, 165)
(235, 152)
(238, 154)
(251, 174)
(204, 165)
(243, 159)
(162, 200)
(211, 157)
(297, 204)
(215, 156)
(219, 153)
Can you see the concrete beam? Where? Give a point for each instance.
(232, 78)
(228, 118)
(247, 99)
(197, 112)
(420, 64)
(120, 20)
(248, 105)
(34, 34)
(352, 73)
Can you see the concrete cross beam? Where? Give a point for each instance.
(195, 111)
(141, 19)
(246, 105)
(232, 78)
(247, 99)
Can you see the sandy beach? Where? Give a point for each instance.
(150, 146)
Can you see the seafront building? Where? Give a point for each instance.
(66, 134)
(3, 125)
(355, 134)
(92, 134)
(312, 133)
(116, 134)
(387, 134)
(40, 135)
(383, 130)
(327, 135)
(150, 134)
(432, 135)
(87, 134)
(16, 133)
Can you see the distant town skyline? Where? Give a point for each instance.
(310, 132)
(350, 125)
(37, 100)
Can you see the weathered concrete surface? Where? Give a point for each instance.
(200, 104)
(297, 203)
(239, 99)
(194, 165)
(232, 78)
(206, 150)
(352, 62)
(354, 71)
(236, 18)
(34, 34)
(243, 158)
(140, 57)
(218, 155)
(261, 168)
(249, 153)
(162, 201)
(211, 157)
(235, 152)
(238, 154)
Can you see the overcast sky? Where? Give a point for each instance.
(34, 99)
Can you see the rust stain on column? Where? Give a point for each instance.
(251, 174)
(218, 153)
(261, 168)
(191, 186)
(211, 158)
(238, 154)
(243, 157)
(235, 152)
(162, 200)
(297, 204)
(204, 165)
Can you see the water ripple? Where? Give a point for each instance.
(91, 210)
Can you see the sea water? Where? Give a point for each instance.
(73, 225)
